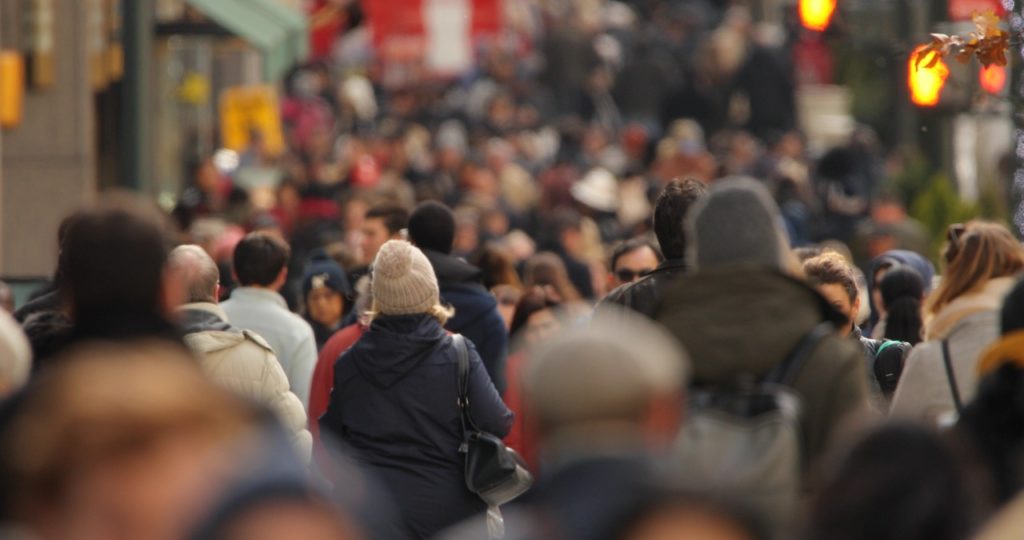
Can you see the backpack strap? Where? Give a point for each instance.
(885, 345)
(787, 370)
(951, 377)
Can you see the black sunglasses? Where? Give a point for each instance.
(625, 274)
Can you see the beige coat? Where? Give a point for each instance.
(243, 362)
(971, 324)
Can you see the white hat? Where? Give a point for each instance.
(598, 189)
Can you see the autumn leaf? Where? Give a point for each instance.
(989, 44)
(987, 23)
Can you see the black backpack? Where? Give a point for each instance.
(888, 365)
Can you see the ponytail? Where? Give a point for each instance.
(902, 291)
(903, 320)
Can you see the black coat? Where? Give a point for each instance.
(644, 294)
(394, 404)
(476, 312)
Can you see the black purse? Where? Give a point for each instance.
(494, 471)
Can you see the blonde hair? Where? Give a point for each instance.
(437, 311)
(983, 251)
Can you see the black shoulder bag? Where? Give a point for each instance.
(493, 471)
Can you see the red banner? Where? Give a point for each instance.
(963, 10)
(403, 19)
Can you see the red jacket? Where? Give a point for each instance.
(323, 374)
(521, 438)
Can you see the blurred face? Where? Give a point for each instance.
(629, 267)
(325, 306)
(374, 236)
(542, 325)
(272, 521)
(156, 495)
(836, 295)
(682, 524)
(207, 178)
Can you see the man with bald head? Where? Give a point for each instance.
(238, 359)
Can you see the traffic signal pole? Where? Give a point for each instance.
(137, 134)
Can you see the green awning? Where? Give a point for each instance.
(281, 32)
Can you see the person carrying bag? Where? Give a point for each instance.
(494, 471)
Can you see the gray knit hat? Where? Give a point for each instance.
(737, 222)
(403, 280)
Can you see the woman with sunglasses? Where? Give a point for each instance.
(961, 319)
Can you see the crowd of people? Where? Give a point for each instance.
(606, 257)
(725, 389)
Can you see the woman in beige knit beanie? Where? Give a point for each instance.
(395, 400)
(403, 283)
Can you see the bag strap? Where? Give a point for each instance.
(462, 390)
(951, 377)
(786, 372)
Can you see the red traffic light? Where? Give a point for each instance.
(992, 78)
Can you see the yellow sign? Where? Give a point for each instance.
(12, 88)
(194, 89)
(245, 110)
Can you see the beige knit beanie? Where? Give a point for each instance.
(403, 280)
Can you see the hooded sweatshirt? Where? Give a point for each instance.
(745, 320)
(394, 404)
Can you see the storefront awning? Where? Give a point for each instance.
(278, 30)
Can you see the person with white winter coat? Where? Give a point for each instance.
(239, 360)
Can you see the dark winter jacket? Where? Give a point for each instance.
(745, 321)
(47, 302)
(322, 333)
(476, 311)
(394, 404)
(643, 294)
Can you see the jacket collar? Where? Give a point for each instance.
(670, 265)
(203, 317)
(259, 294)
(207, 307)
(451, 269)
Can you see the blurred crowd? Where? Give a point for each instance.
(607, 255)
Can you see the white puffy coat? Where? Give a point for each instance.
(243, 362)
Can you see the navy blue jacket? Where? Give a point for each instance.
(476, 312)
(394, 404)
